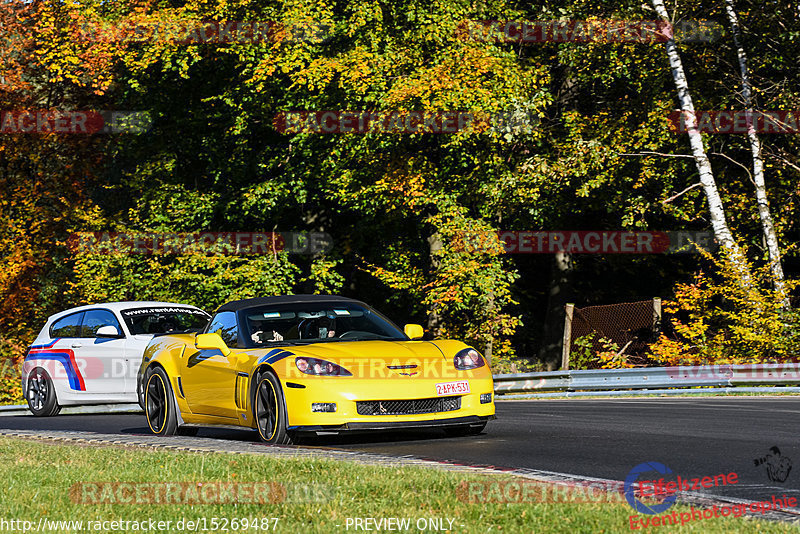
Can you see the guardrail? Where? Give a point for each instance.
(651, 379)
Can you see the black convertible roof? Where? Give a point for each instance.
(236, 305)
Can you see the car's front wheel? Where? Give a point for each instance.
(140, 395)
(41, 394)
(159, 406)
(269, 411)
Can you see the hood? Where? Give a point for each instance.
(388, 351)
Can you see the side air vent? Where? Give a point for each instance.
(240, 391)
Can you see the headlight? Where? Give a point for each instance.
(313, 366)
(468, 359)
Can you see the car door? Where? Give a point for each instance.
(106, 365)
(66, 368)
(209, 377)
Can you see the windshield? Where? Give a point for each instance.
(165, 320)
(317, 322)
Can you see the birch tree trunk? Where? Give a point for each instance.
(767, 226)
(715, 206)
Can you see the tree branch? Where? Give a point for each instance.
(749, 175)
(782, 159)
(676, 195)
(651, 153)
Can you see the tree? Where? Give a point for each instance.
(715, 204)
(768, 227)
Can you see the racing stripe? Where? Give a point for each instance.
(49, 345)
(275, 355)
(265, 357)
(66, 357)
(279, 356)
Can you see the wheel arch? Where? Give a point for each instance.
(172, 383)
(61, 386)
(256, 374)
(255, 378)
(47, 372)
(160, 352)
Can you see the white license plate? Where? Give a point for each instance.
(452, 388)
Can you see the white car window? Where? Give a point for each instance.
(68, 326)
(94, 319)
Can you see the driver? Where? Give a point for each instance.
(262, 334)
(318, 327)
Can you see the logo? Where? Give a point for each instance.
(631, 486)
(778, 466)
(396, 367)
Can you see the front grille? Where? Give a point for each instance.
(408, 407)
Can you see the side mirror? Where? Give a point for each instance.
(108, 331)
(211, 342)
(413, 331)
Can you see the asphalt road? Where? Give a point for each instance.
(695, 437)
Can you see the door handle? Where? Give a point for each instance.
(76, 345)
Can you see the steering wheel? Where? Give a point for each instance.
(357, 333)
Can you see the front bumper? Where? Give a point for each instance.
(396, 425)
(346, 392)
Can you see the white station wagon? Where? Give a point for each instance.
(91, 354)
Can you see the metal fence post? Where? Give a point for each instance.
(656, 317)
(567, 341)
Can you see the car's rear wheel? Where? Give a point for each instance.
(159, 405)
(269, 411)
(41, 394)
(465, 430)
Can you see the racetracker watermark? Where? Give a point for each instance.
(529, 491)
(588, 31)
(587, 242)
(44, 121)
(736, 122)
(198, 32)
(208, 243)
(198, 493)
(402, 122)
(453, 381)
(749, 373)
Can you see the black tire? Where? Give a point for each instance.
(140, 391)
(140, 395)
(41, 394)
(465, 430)
(269, 411)
(159, 404)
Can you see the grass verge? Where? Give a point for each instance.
(45, 479)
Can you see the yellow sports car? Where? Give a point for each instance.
(293, 365)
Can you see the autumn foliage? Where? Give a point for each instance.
(585, 144)
(716, 319)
